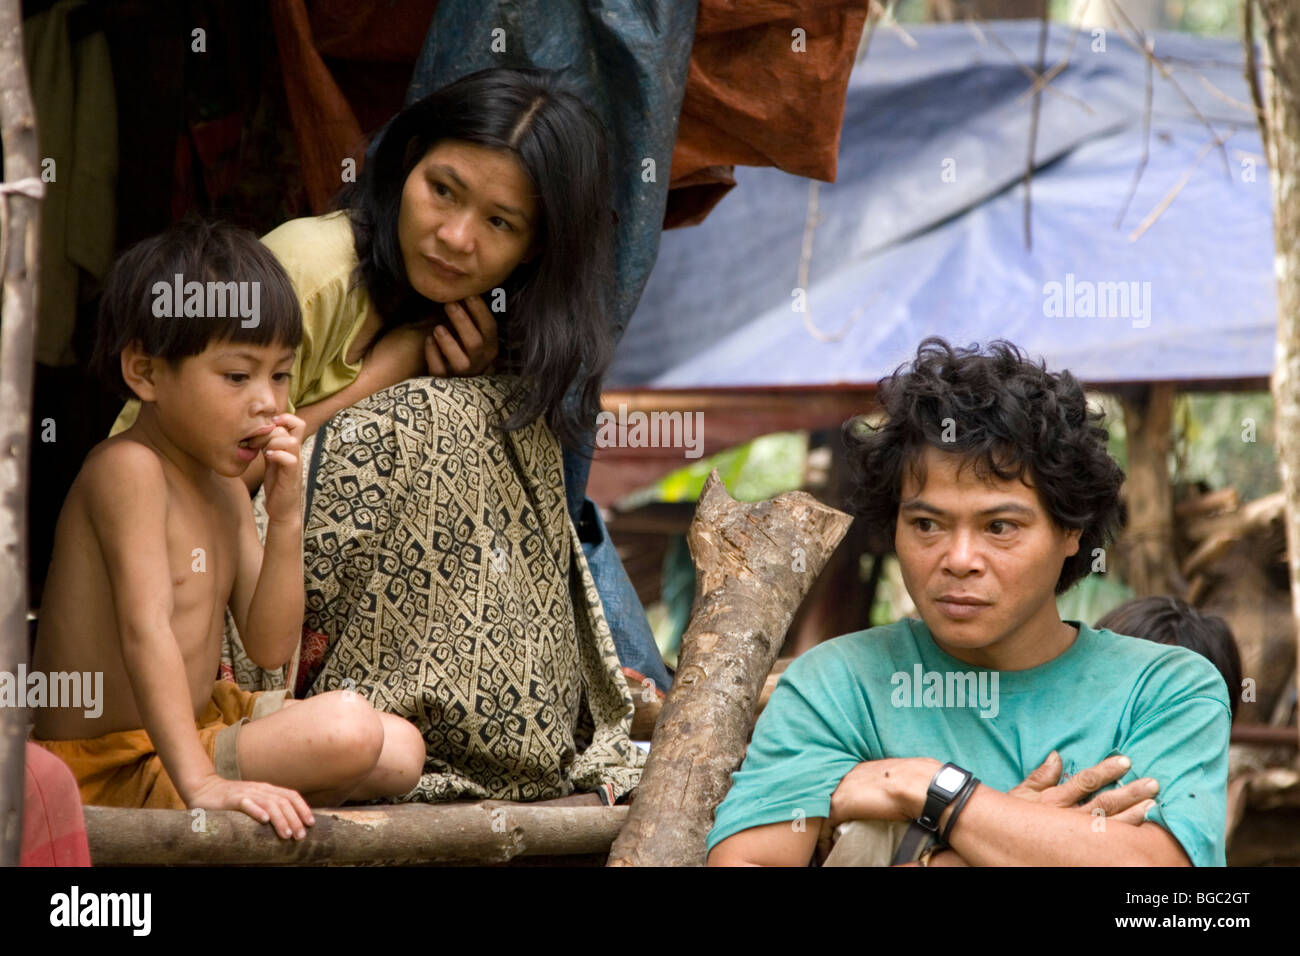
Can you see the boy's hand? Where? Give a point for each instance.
(284, 809)
(473, 347)
(283, 481)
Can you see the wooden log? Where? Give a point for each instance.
(1264, 734)
(491, 832)
(1206, 553)
(1252, 518)
(1212, 502)
(19, 208)
(754, 563)
(647, 712)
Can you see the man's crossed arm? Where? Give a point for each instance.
(1036, 823)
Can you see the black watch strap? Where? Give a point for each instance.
(957, 806)
(944, 788)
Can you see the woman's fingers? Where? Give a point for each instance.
(433, 358)
(468, 332)
(451, 350)
(484, 320)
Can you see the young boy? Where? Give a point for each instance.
(156, 539)
(1169, 620)
(992, 476)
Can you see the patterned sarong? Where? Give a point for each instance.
(448, 582)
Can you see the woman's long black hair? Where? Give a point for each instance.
(555, 333)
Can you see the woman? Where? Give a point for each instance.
(443, 570)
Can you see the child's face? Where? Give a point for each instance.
(217, 406)
(468, 218)
(959, 537)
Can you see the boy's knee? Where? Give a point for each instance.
(354, 732)
(404, 740)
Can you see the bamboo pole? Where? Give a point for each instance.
(19, 235)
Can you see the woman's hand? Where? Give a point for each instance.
(397, 356)
(473, 347)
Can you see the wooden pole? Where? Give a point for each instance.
(404, 834)
(19, 222)
(754, 563)
(1150, 563)
(1281, 122)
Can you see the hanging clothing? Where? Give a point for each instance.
(76, 123)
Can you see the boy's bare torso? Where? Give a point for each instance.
(78, 628)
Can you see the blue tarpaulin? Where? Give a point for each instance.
(923, 231)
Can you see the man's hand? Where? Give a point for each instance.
(283, 481)
(1127, 804)
(284, 809)
(473, 347)
(883, 790)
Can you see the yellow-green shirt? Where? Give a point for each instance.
(318, 254)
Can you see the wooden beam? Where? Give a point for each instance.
(490, 832)
(1150, 564)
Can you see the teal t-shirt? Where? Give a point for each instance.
(892, 692)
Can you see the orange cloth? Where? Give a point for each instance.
(123, 769)
(757, 93)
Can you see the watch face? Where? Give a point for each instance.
(950, 779)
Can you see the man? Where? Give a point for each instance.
(992, 476)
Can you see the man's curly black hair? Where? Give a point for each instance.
(1006, 416)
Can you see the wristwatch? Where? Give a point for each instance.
(945, 786)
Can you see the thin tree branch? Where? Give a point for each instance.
(1141, 46)
(1252, 69)
(1146, 147)
(1154, 214)
(1043, 25)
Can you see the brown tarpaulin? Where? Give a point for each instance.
(757, 93)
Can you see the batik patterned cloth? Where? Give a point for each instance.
(445, 574)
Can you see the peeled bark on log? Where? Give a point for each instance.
(22, 187)
(754, 563)
(492, 832)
